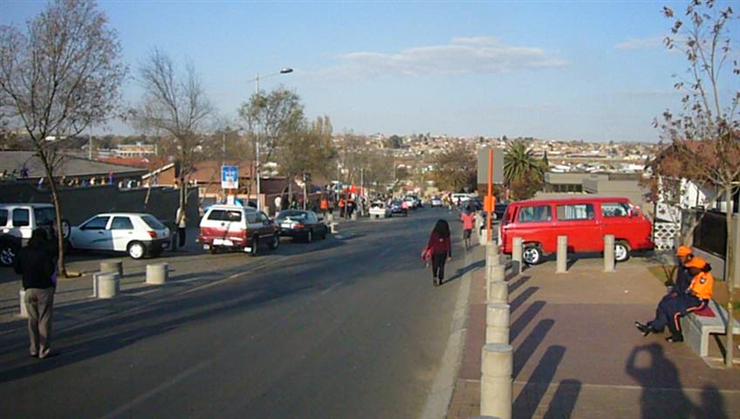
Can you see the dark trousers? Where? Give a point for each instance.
(40, 305)
(438, 265)
(671, 309)
(180, 236)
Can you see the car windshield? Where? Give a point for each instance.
(292, 215)
(44, 216)
(153, 222)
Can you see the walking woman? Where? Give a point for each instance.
(440, 247)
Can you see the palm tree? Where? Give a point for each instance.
(520, 164)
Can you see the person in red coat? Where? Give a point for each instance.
(440, 247)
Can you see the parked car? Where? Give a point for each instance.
(413, 201)
(137, 234)
(378, 209)
(17, 221)
(435, 202)
(460, 199)
(397, 208)
(304, 225)
(585, 221)
(240, 228)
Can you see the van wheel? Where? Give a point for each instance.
(7, 254)
(275, 242)
(136, 250)
(255, 247)
(621, 251)
(532, 255)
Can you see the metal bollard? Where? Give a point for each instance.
(108, 285)
(115, 266)
(609, 253)
(562, 256)
(22, 299)
(516, 255)
(497, 364)
(498, 292)
(497, 323)
(156, 273)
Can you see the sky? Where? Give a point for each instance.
(576, 70)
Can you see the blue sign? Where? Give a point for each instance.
(229, 177)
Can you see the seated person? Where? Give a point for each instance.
(683, 278)
(695, 298)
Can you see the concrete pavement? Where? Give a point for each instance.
(577, 353)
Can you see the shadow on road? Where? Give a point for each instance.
(531, 395)
(525, 350)
(470, 268)
(521, 298)
(564, 399)
(518, 325)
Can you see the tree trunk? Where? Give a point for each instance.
(290, 190)
(58, 214)
(729, 271)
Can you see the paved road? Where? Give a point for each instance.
(342, 328)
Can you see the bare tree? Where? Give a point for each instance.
(455, 168)
(58, 76)
(174, 104)
(705, 136)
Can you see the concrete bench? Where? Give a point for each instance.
(697, 328)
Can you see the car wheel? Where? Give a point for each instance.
(621, 251)
(255, 246)
(275, 242)
(532, 255)
(214, 250)
(309, 236)
(136, 250)
(7, 254)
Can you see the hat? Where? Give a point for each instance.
(697, 263)
(684, 251)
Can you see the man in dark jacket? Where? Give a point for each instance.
(36, 264)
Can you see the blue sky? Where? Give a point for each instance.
(559, 70)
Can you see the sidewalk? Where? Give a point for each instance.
(577, 353)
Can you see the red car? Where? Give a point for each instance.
(585, 221)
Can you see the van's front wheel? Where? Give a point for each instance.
(532, 255)
(621, 251)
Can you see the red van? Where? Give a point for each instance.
(585, 221)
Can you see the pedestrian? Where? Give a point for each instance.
(670, 310)
(440, 247)
(324, 205)
(350, 207)
(342, 204)
(468, 220)
(278, 204)
(36, 266)
(181, 226)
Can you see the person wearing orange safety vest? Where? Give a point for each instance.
(324, 205)
(341, 207)
(696, 297)
(683, 278)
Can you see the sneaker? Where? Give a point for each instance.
(644, 329)
(33, 355)
(675, 338)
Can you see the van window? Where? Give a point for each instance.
(21, 217)
(251, 217)
(3, 217)
(535, 214)
(577, 212)
(225, 215)
(615, 209)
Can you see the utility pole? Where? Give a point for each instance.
(89, 144)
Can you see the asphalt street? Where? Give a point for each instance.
(346, 327)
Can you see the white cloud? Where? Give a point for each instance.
(475, 55)
(641, 43)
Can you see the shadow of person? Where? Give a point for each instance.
(712, 404)
(662, 392)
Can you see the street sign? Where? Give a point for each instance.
(498, 166)
(229, 177)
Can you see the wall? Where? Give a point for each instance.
(79, 204)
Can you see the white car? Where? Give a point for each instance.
(17, 222)
(134, 233)
(436, 202)
(378, 209)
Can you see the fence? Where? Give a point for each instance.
(710, 233)
(665, 234)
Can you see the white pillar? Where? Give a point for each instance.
(22, 299)
(498, 292)
(609, 253)
(108, 285)
(114, 266)
(492, 259)
(497, 323)
(157, 273)
(516, 255)
(497, 365)
(562, 255)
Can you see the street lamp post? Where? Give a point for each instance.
(257, 165)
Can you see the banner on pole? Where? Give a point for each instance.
(229, 177)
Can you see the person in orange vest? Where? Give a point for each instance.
(670, 310)
(324, 205)
(468, 219)
(684, 254)
(341, 207)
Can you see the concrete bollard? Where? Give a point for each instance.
(492, 259)
(354, 216)
(562, 255)
(498, 292)
(609, 253)
(108, 285)
(497, 323)
(115, 266)
(330, 217)
(22, 300)
(333, 228)
(516, 255)
(483, 237)
(497, 365)
(498, 273)
(157, 273)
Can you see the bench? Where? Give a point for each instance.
(697, 327)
